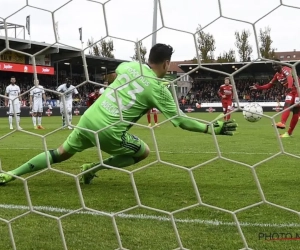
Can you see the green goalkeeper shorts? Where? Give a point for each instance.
(110, 142)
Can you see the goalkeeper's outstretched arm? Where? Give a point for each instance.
(219, 127)
(165, 103)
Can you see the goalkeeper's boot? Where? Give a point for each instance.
(89, 176)
(35, 127)
(285, 135)
(5, 178)
(280, 125)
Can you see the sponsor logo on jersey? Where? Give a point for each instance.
(76, 112)
(277, 109)
(210, 110)
(189, 109)
(48, 112)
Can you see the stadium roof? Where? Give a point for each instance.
(63, 54)
(255, 67)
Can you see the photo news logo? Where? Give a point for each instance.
(278, 236)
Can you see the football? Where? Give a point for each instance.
(253, 112)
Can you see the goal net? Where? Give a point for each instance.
(194, 191)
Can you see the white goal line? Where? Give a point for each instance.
(168, 152)
(152, 217)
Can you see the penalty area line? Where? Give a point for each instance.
(150, 217)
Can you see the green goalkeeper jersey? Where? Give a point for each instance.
(135, 96)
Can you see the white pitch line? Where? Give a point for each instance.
(151, 217)
(169, 152)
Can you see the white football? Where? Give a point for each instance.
(253, 112)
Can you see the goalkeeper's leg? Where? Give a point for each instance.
(131, 150)
(39, 162)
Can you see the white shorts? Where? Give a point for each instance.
(37, 107)
(17, 107)
(69, 106)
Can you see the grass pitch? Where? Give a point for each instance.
(222, 183)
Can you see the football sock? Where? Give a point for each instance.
(155, 117)
(228, 117)
(34, 120)
(18, 118)
(149, 117)
(285, 115)
(39, 120)
(63, 120)
(70, 118)
(37, 163)
(10, 120)
(293, 123)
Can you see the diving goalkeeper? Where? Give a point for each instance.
(135, 98)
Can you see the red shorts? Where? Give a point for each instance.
(153, 110)
(226, 103)
(292, 98)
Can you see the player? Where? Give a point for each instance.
(37, 95)
(103, 88)
(284, 76)
(94, 96)
(135, 99)
(226, 93)
(154, 111)
(69, 89)
(13, 102)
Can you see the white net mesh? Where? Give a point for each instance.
(86, 205)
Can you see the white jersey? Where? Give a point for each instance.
(101, 91)
(37, 94)
(13, 91)
(71, 90)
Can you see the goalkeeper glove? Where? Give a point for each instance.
(223, 128)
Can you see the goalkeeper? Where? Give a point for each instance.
(135, 98)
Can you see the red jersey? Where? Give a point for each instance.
(284, 77)
(227, 91)
(92, 98)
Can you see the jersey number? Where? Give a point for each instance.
(131, 93)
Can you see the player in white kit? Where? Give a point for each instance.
(13, 102)
(69, 90)
(37, 95)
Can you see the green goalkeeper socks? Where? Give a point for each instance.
(39, 162)
(36, 163)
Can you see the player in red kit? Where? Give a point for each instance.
(154, 111)
(93, 96)
(226, 93)
(284, 76)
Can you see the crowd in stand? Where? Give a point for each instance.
(202, 91)
(207, 91)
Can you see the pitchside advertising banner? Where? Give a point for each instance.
(52, 108)
(217, 107)
(13, 67)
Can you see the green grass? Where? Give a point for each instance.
(222, 183)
